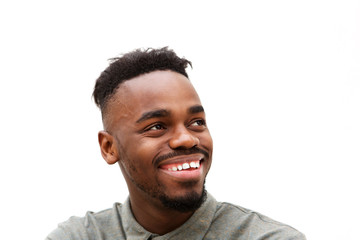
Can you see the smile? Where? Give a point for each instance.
(184, 166)
(183, 162)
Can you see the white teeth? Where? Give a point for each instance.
(186, 166)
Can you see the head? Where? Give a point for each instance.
(131, 65)
(155, 128)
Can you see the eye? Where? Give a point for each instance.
(155, 127)
(199, 122)
(198, 125)
(154, 130)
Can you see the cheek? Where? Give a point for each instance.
(206, 141)
(128, 156)
(147, 150)
(142, 153)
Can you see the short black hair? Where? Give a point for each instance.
(133, 64)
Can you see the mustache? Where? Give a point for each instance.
(181, 152)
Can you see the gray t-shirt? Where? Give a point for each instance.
(213, 220)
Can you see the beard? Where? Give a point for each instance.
(189, 202)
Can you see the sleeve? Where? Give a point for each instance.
(58, 234)
(299, 236)
(72, 229)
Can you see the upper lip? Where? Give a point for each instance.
(182, 159)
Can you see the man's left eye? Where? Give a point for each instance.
(199, 122)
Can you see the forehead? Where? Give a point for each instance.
(156, 90)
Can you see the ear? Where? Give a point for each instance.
(108, 147)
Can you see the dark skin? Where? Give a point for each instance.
(149, 117)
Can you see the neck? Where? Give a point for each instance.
(155, 218)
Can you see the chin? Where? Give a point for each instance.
(188, 202)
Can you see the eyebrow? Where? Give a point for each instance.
(153, 114)
(165, 113)
(196, 109)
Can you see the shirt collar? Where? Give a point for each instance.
(195, 228)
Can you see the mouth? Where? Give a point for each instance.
(184, 168)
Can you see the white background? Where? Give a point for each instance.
(280, 81)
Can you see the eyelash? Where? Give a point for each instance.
(200, 122)
(155, 125)
(158, 127)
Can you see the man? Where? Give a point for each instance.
(155, 129)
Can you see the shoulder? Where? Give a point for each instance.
(92, 226)
(241, 221)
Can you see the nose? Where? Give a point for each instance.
(183, 138)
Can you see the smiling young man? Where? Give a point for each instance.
(155, 129)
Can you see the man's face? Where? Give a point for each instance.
(163, 144)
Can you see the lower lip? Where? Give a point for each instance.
(185, 175)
